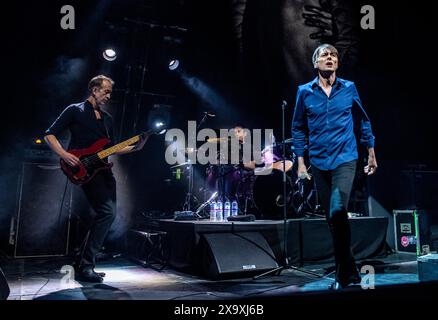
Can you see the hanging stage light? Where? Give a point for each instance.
(173, 64)
(160, 125)
(109, 54)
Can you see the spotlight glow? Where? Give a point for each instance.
(173, 64)
(109, 54)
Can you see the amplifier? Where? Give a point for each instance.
(40, 155)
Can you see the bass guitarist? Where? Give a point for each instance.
(88, 123)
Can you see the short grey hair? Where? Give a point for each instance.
(97, 82)
(320, 49)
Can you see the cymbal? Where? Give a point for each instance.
(217, 139)
(187, 150)
(190, 150)
(287, 141)
(181, 164)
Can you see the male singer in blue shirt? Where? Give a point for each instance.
(329, 113)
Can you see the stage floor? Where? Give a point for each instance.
(36, 279)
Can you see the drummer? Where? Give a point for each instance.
(240, 133)
(239, 171)
(229, 172)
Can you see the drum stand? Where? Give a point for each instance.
(302, 209)
(245, 196)
(285, 264)
(217, 194)
(221, 183)
(189, 194)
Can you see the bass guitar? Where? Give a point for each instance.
(92, 158)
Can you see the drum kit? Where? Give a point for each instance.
(261, 192)
(258, 193)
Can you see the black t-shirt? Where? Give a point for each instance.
(84, 127)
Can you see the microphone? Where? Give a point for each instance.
(303, 176)
(283, 103)
(209, 114)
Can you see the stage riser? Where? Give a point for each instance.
(308, 240)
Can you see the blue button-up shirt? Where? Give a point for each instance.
(331, 124)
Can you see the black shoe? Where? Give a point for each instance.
(102, 274)
(335, 286)
(340, 284)
(88, 275)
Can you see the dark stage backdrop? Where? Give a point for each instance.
(239, 59)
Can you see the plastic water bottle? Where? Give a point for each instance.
(234, 208)
(219, 213)
(213, 208)
(227, 210)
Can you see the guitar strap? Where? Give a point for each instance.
(105, 118)
(105, 124)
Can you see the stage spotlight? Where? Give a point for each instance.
(159, 118)
(109, 54)
(173, 64)
(160, 125)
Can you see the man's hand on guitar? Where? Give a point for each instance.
(141, 143)
(70, 159)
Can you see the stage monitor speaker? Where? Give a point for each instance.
(235, 255)
(4, 288)
(41, 225)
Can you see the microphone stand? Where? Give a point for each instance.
(206, 115)
(191, 181)
(189, 195)
(285, 264)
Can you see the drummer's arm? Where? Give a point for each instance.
(250, 165)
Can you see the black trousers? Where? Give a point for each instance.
(101, 195)
(334, 188)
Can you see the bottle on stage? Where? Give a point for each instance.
(227, 209)
(219, 212)
(234, 208)
(213, 208)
